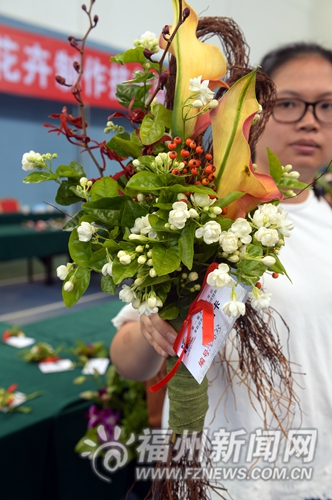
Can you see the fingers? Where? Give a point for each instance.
(159, 334)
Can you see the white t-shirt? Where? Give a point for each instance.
(306, 306)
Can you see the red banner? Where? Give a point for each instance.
(29, 63)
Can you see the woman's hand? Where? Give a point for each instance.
(159, 334)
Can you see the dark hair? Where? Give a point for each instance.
(276, 58)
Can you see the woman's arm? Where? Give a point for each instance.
(139, 348)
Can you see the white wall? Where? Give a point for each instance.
(265, 23)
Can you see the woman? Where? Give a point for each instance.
(300, 134)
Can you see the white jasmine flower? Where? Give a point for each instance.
(210, 232)
(213, 104)
(148, 41)
(140, 197)
(201, 89)
(285, 226)
(144, 308)
(233, 258)
(216, 210)
(241, 229)
(85, 231)
(127, 294)
(193, 276)
(32, 160)
(197, 103)
(68, 286)
(193, 213)
(220, 277)
(179, 215)
(268, 261)
(268, 237)
(107, 269)
(142, 226)
(228, 242)
(202, 200)
(63, 271)
(259, 300)
(152, 302)
(234, 308)
(83, 181)
(152, 273)
(141, 259)
(125, 258)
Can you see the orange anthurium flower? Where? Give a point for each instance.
(193, 58)
(231, 122)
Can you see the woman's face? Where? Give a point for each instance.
(306, 144)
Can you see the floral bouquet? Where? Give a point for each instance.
(119, 403)
(42, 351)
(188, 208)
(11, 400)
(85, 351)
(14, 331)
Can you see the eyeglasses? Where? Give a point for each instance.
(292, 110)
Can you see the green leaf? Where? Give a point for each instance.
(125, 93)
(77, 167)
(122, 272)
(131, 55)
(162, 114)
(107, 285)
(80, 251)
(114, 144)
(177, 188)
(65, 195)
(107, 210)
(81, 283)
(106, 187)
(128, 147)
(169, 312)
(145, 182)
(141, 77)
(132, 211)
(229, 198)
(275, 165)
(151, 130)
(66, 171)
(98, 259)
(36, 177)
(165, 260)
(186, 244)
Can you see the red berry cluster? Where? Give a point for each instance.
(199, 168)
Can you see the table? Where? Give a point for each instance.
(37, 458)
(18, 242)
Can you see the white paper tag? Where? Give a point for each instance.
(19, 342)
(96, 364)
(198, 357)
(61, 365)
(19, 398)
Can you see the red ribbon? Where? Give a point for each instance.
(197, 306)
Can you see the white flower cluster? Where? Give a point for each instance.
(272, 224)
(201, 90)
(150, 304)
(33, 160)
(148, 41)
(85, 231)
(142, 226)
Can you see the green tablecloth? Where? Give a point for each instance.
(37, 461)
(17, 242)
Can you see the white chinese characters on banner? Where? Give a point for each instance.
(29, 63)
